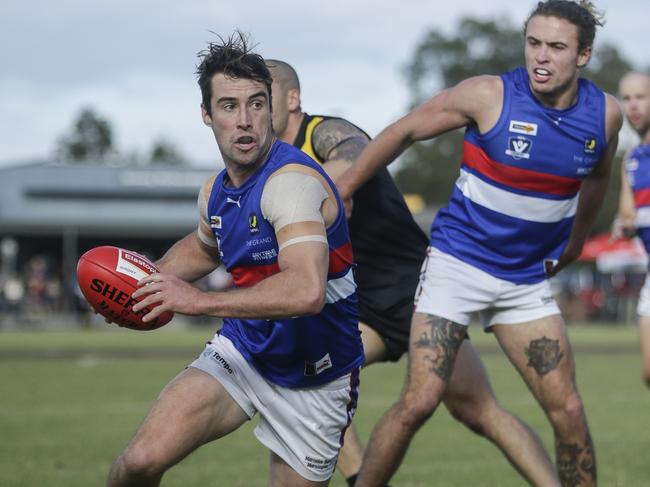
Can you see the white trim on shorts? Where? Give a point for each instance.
(455, 290)
(304, 427)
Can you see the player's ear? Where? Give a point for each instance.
(293, 99)
(584, 56)
(207, 119)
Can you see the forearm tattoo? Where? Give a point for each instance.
(576, 464)
(338, 139)
(544, 355)
(442, 341)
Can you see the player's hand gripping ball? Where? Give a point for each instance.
(108, 276)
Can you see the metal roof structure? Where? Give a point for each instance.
(47, 199)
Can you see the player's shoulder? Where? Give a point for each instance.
(336, 129)
(481, 85)
(613, 115)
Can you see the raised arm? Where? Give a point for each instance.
(300, 205)
(476, 100)
(592, 191)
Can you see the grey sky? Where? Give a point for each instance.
(134, 62)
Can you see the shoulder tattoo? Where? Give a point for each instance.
(338, 139)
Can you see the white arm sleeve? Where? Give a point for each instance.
(203, 231)
(292, 197)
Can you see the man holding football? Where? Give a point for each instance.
(289, 347)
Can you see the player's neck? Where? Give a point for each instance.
(293, 127)
(559, 100)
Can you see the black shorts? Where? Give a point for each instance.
(392, 321)
(390, 316)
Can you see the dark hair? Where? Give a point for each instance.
(234, 59)
(581, 13)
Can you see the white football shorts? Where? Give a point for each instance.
(643, 307)
(304, 427)
(454, 290)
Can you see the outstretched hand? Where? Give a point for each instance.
(165, 292)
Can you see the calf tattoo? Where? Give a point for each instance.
(575, 464)
(443, 341)
(544, 355)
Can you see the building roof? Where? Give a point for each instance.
(46, 199)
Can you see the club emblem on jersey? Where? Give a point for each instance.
(590, 145)
(519, 147)
(253, 227)
(526, 128)
(215, 222)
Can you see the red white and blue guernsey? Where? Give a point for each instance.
(515, 200)
(298, 352)
(637, 167)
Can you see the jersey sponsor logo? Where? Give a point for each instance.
(526, 128)
(519, 147)
(264, 255)
(215, 222)
(318, 366)
(590, 145)
(254, 242)
(233, 201)
(253, 226)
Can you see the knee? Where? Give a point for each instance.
(568, 413)
(138, 463)
(415, 409)
(473, 416)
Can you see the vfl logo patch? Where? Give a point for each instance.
(253, 228)
(526, 128)
(590, 145)
(215, 222)
(519, 147)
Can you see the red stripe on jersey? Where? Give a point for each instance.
(248, 276)
(523, 179)
(341, 258)
(642, 197)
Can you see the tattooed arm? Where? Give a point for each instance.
(338, 143)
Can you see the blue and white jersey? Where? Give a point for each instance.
(305, 351)
(515, 200)
(637, 167)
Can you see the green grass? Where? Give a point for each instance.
(69, 401)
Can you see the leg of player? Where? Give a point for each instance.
(351, 454)
(470, 399)
(175, 427)
(644, 335)
(541, 352)
(433, 346)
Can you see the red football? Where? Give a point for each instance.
(108, 276)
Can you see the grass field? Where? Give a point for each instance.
(70, 400)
